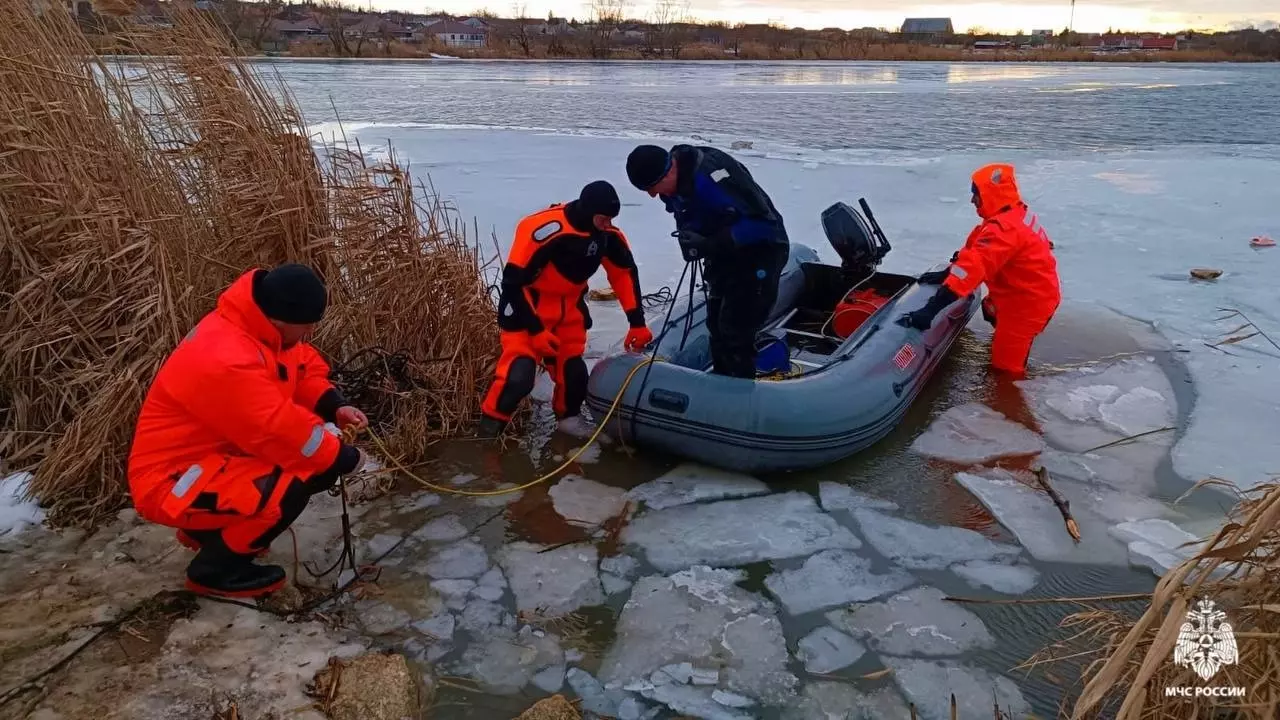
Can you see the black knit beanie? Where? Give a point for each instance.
(290, 293)
(599, 198)
(646, 165)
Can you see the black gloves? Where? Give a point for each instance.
(955, 256)
(922, 319)
(696, 246)
(934, 278)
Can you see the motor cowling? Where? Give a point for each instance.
(860, 248)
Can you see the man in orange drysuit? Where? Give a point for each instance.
(230, 444)
(542, 311)
(1013, 255)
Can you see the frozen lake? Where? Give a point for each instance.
(1139, 173)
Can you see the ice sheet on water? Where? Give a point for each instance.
(504, 662)
(463, 559)
(491, 586)
(380, 544)
(624, 566)
(974, 433)
(1156, 544)
(1008, 579)
(691, 701)
(555, 582)
(1091, 406)
(439, 627)
(1032, 517)
(595, 697)
(830, 578)
(701, 617)
(482, 616)
(446, 528)
(379, 618)
(924, 547)
(736, 532)
(500, 500)
(454, 591)
(550, 679)
(842, 701)
(827, 650)
(415, 501)
(917, 622)
(586, 502)
(930, 683)
(613, 584)
(690, 483)
(838, 496)
(17, 514)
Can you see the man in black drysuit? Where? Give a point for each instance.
(725, 220)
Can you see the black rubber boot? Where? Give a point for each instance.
(215, 570)
(490, 427)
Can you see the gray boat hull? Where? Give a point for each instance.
(837, 408)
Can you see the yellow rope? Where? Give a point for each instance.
(617, 400)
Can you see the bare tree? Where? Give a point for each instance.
(520, 33)
(606, 16)
(669, 28)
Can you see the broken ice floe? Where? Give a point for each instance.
(379, 618)
(841, 701)
(381, 544)
(1091, 406)
(616, 573)
(1157, 545)
(930, 683)
(1008, 579)
(700, 617)
(491, 586)
(613, 584)
(555, 582)
(439, 627)
(838, 496)
(827, 650)
(1033, 518)
(831, 578)
(414, 501)
(481, 616)
(595, 697)
(924, 547)
(500, 500)
(586, 502)
(917, 622)
(549, 680)
(454, 591)
(503, 663)
(463, 559)
(736, 532)
(690, 483)
(974, 433)
(697, 702)
(446, 528)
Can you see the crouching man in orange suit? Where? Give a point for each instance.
(230, 444)
(1011, 252)
(542, 311)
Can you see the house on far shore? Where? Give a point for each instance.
(929, 30)
(455, 34)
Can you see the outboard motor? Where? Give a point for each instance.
(861, 244)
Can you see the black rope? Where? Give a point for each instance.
(374, 378)
(658, 297)
(635, 408)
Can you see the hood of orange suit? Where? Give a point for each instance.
(237, 305)
(997, 189)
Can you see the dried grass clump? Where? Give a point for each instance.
(130, 196)
(1134, 657)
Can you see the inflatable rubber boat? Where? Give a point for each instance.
(849, 372)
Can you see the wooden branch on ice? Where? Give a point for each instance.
(1064, 507)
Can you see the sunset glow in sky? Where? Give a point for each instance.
(1157, 15)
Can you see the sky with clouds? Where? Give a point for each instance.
(1159, 15)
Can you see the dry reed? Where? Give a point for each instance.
(130, 196)
(1133, 658)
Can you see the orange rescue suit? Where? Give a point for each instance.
(231, 422)
(544, 288)
(1011, 252)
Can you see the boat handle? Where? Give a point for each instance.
(667, 400)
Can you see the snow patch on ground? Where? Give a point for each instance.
(17, 514)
